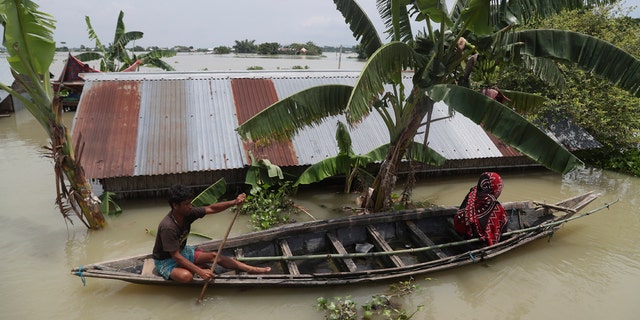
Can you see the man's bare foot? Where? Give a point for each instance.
(258, 270)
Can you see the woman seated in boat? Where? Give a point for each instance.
(173, 258)
(481, 215)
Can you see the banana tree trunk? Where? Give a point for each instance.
(386, 178)
(79, 194)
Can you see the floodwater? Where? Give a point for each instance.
(589, 270)
(198, 61)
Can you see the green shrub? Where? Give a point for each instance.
(381, 306)
(269, 206)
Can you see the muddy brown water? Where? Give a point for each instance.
(589, 270)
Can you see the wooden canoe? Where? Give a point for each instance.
(357, 249)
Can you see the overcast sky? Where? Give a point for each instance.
(210, 23)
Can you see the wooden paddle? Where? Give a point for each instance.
(218, 253)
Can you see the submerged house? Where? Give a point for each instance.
(142, 132)
(71, 82)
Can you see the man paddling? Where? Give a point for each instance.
(173, 258)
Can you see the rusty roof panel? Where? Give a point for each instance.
(252, 96)
(108, 125)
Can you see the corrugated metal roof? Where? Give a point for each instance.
(138, 124)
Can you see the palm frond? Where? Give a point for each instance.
(545, 69)
(287, 117)
(157, 54)
(119, 28)
(93, 35)
(128, 37)
(155, 62)
(523, 102)
(435, 10)
(344, 139)
(507, 125)
(319, 171)
(361, 26)
(589, 53)
(477, 16)
(89, 56)
(384, 66)
(28, 38)
(211, 194)
(106, 203)
(396, 18)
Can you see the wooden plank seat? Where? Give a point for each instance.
(290, 265)
(421, 238)
(347, 263)
(381, 244)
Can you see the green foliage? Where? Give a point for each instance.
(308, 48)
(221, 50)
(263, 172)
(255, 68)
(269, 48)
(610, 114)
(268, 202)
(115, 57)
(380, 306)
(625, 161)
(338, 308)
(108, 206)
(268, 206)
(211, 194)
(246, 46)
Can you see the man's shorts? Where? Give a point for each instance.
(164, 267)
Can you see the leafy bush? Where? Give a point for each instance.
(382, 306)
(269, 206)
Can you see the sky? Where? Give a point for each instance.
(211, 23)
(204, 23)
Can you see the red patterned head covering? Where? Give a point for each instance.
(490, 182)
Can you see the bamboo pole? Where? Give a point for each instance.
(420, 249)
(218, 253)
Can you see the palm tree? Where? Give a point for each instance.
(116, 57)
(28, 39)
(441, 58)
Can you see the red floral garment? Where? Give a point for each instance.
(480, 214)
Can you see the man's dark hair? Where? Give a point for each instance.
(179, 193)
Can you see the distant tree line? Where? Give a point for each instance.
(244, 46)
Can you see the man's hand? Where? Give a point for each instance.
(240, 198)
(205, 274)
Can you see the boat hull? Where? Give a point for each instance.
(357, 249)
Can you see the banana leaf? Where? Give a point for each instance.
(211, 194)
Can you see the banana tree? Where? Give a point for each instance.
(115, 57)
(29, 42)
(439, 57)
